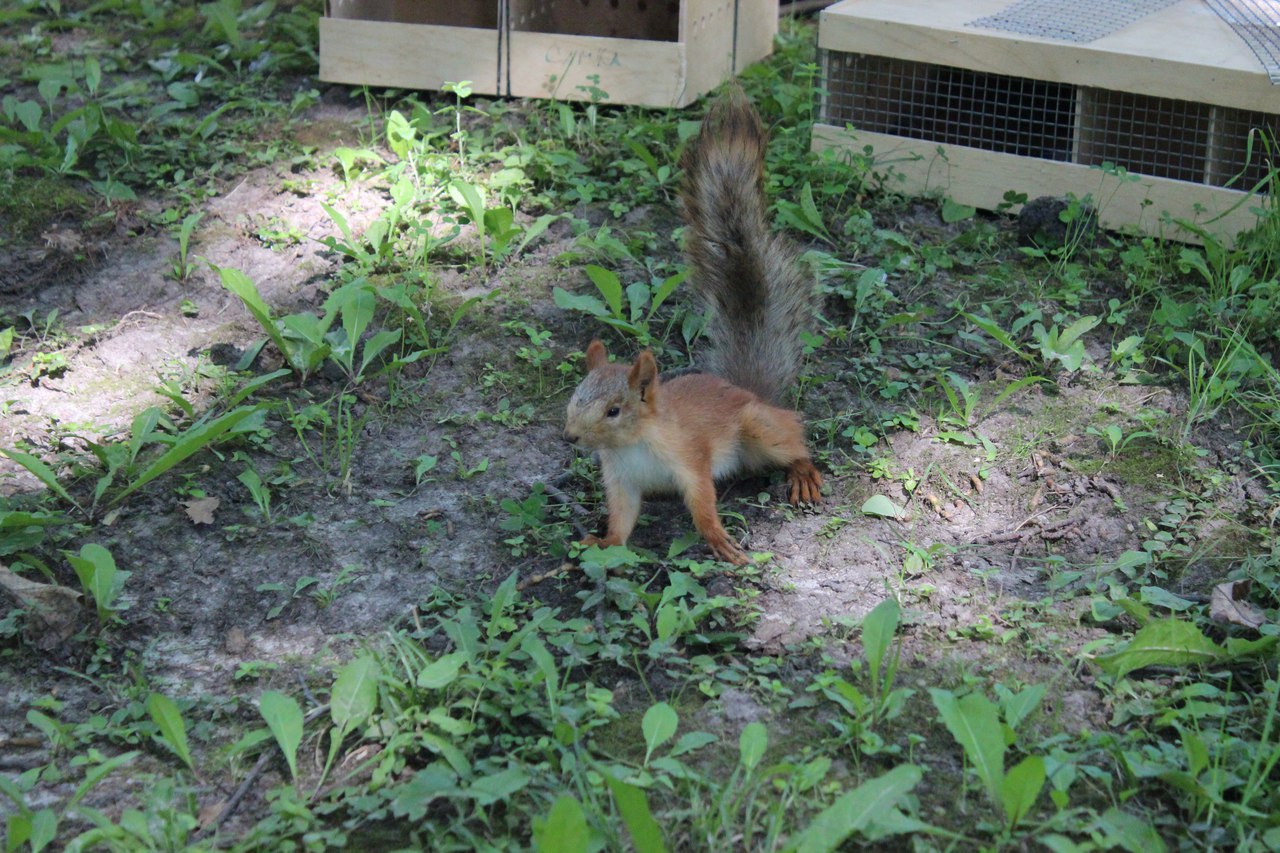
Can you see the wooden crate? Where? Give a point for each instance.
(973, 113)
(661, 53)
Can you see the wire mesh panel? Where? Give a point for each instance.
(1161, 137)
(955, 106)
(1243, 149)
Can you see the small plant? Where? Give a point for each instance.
(259, 491)
(1065, 347)
(882, 701)
(975, 722)
(1115, 438)
(630, 310)
(96, 569)
(181, 269)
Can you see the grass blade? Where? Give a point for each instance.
(165, 714)
(187, 445)
(41, 472)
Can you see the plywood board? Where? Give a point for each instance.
(981, 179)
(409, 56)
(1185, 51)
(630, 71)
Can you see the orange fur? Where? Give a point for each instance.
(681, 436)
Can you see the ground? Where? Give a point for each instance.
(973, 483)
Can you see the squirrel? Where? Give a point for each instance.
(681, 433)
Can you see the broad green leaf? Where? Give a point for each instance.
(953, 211)
(242, 286)
(498, 787)
(1129, 832)
(668, 620)
(752, 744)
(442, 672)
(43, 829)
(1074, 331)
(606, 281)
(691, 741)
(165, 714)
(1020, 788)
(1167, 642)
(503, 597)
(992, 329)
(633, 805)
(1019, 705)
(878, 628)
(668, 286)
(468, 198)
(374, 347)
(881, 506)
(355, 692)
(659, 724)
(285, 719)
(579, 302)
(856, 810)
(975, 724)
(97, 571)
(565, 829)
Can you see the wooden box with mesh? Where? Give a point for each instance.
(1175, 99)
(660, 53)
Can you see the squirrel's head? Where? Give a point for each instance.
(606, 409)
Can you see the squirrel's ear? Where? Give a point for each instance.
(643, 373)
(596, 355)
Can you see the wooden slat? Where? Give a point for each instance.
(1185, 51)
(631, 71)
(410, 56)
(981, 178)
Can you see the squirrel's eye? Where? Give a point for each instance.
(613, 412)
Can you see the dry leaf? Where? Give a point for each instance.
(201, 511)
(210, 812)
(236, 641)
(1228, 604)
(52, 612)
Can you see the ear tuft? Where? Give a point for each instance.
(596, 355)
(644, 373)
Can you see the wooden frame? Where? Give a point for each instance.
(633, 52)
(1184, 53)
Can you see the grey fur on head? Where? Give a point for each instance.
(759, 298)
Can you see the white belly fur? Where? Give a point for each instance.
(641, 466)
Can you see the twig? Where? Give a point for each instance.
(263, 760)
(534, 580)
(1019, 533)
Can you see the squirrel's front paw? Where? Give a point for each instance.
(726, 549)
(592, 539)
(806, 483)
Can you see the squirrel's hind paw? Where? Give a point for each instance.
(806, 483)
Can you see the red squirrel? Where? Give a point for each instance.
(681, 434)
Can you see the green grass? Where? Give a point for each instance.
(1127, 702)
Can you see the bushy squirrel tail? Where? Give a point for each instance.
(759, 299)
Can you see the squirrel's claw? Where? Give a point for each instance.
(727, 550)
(806, 483)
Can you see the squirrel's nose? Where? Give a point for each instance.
(570, 437)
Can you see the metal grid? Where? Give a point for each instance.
(1236, 161)
(955, 106)
(1255, 22)
(1158, 137)
(1077, 21)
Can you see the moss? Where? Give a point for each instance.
(29, 205)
